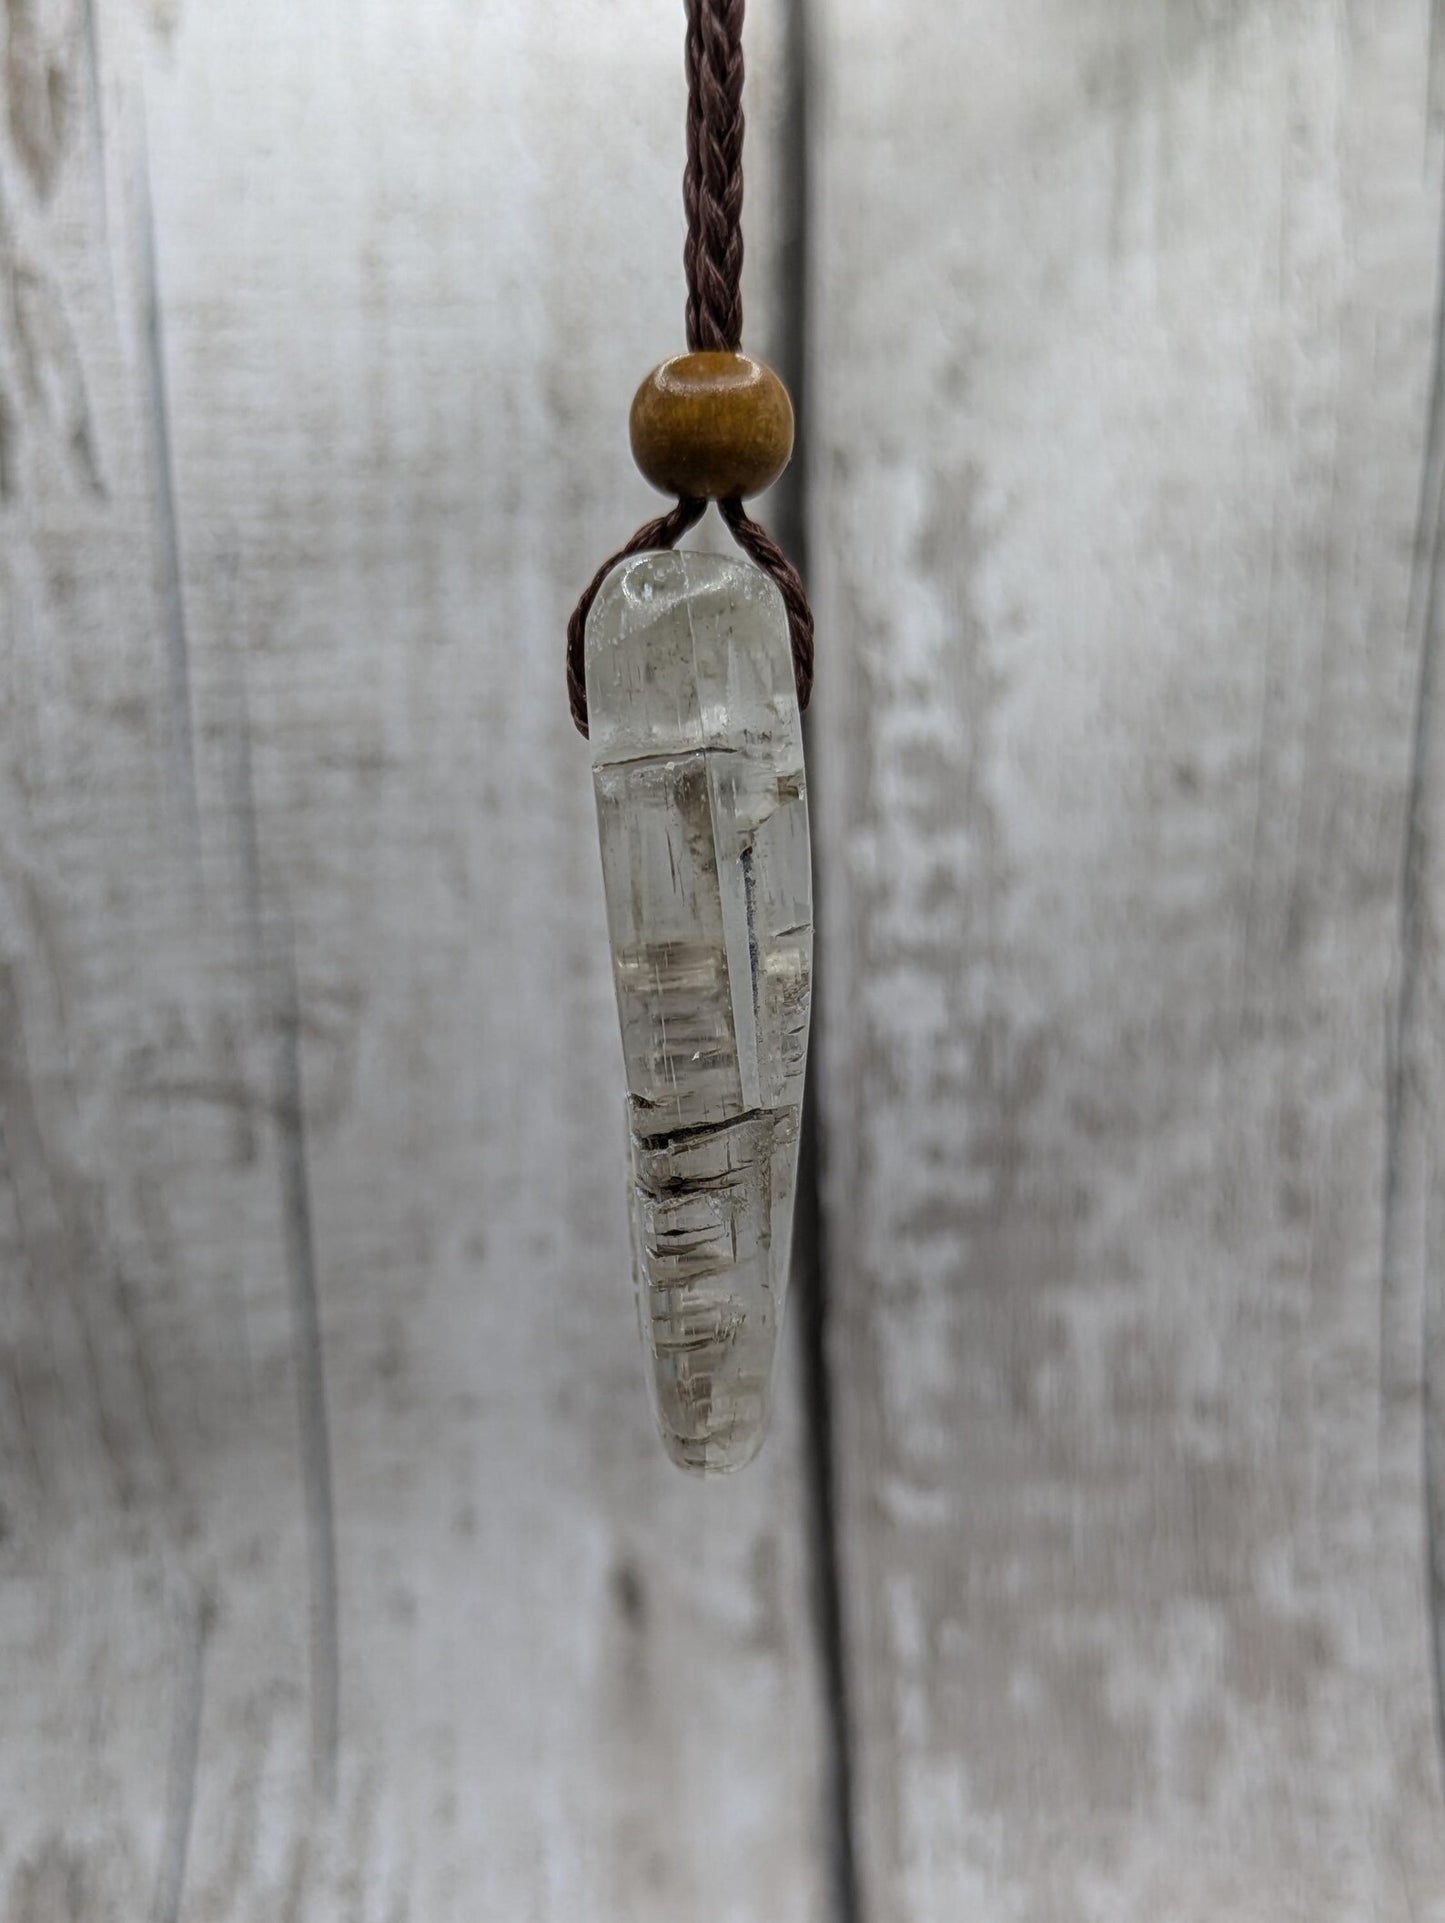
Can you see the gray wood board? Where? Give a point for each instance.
(1124, 338)
(340, 1572)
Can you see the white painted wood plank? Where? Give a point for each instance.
(307, 1049)
(1123, 353)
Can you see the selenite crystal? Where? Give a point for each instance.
(697, 757)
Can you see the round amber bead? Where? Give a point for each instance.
(712, 426)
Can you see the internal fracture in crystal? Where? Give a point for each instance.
(703, 819)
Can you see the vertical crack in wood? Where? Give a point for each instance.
(90, 29)
(275, 963)
(173, 606)
(310, 1372)
(1408, 1145)
(810, 1293)
(1435, 66)
(194, 1622)
(810, 1251)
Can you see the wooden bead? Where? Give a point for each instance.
(711, 426)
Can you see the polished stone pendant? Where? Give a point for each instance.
(702, 812)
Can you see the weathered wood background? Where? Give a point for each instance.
(1096, 1568)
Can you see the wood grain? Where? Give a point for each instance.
(1121, 383)
(340, 1573)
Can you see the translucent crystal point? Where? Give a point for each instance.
(702, 812)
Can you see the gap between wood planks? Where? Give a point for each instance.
(274, 968)
(811, 1278)
(1409, 1033)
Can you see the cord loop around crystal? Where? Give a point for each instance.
(712, 192)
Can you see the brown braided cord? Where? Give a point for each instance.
(712, 183)
(712, 192)
(759, 545)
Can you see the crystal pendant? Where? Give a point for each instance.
(697, 759)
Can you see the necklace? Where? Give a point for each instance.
(688, 673)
